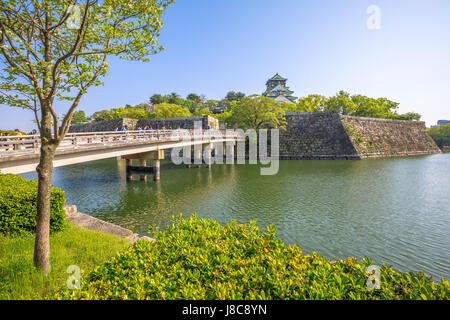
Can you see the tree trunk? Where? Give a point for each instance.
(42, 241)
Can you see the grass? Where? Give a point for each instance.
(72, 246)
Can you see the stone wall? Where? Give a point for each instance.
(103, 126)
(317, 136)
(328, 135)
(375, 138)
(132, 124)
(181, 122)
(314, 135)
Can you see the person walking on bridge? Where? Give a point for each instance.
(6, 145)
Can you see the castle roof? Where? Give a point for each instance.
(280, 88)
(282, 98)
(277, 77)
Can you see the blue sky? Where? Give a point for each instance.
(321, 46)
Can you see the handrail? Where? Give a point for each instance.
(30, 144)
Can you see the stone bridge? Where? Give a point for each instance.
(20, 154)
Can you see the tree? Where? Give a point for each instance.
(137, 112)
(57, 49)
(194, 97)
(167, 110)
(210, 104)
(341, 103)
(234, 96)
(256, 111)
(407, 116)
(441, 135)
(79, 117)
(102, 115)
(202, 112)
(174, 98)
(156, 99)
(311, 103)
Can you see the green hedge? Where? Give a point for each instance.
(18, 200)
(441, 135)
(199, 259)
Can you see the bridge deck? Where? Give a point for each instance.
(19, 154)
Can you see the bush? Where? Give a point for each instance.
(199, 259)
(18, 202)
(441, 135)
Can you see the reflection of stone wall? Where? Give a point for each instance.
(385, 137)
(328, 135)
(169, 123)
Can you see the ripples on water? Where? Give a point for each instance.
(396, 211)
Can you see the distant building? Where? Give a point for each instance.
(277, 89)
(443, 122)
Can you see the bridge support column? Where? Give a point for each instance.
(156, 170)
(157, 156)
(142, 164)
(143, 170)
(228, 148)
(198, 150)
(207, 153)
(127, 168)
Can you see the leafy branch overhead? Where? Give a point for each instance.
(57, 49)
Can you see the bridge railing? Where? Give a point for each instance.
(30, 144)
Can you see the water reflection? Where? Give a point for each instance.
(396, 211)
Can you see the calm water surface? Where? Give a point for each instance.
(396, 211)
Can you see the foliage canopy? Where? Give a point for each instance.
(441, 135)
(200, 259)
(18, 201)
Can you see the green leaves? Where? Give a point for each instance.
(441, 135)
(59, 48)
(355, 105)
(257, 111)
(18, 200)
(200, 259)
(167, 110)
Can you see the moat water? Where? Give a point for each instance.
(395, 211)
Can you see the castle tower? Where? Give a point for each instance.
(277, 89)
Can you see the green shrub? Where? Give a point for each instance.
(441, 135)
(199, 259)
(18, 201)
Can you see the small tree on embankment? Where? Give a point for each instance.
(57, 49)
(441, 135)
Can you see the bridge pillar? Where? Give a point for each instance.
(157, 156)
(228, 148)
(198, 150)
(128, 164)
(142, 164)
(207, 153)
(156, 170)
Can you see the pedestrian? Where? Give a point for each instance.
(18, 133)
(6, 145)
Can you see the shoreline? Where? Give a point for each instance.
(91, 223)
